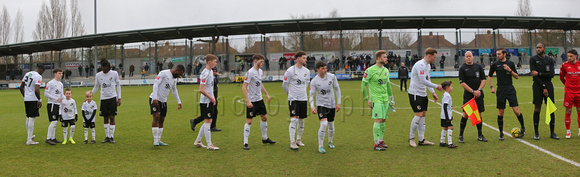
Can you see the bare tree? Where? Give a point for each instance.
(524, 8)
(59, 18)
(18, 28)
(5, 26)
(77, 25)
(402, 38)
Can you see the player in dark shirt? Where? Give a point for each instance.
(542, 70)
(505, 70)
(472, 79)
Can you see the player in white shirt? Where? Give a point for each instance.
(296, 80)
(206, 102)
(447, 116)
(165, 81)
(420, 79)
(89, 109)
(68, 109)
(108, 80)
(324, 86)
(252, 89)
(30, 90)
(54, 93)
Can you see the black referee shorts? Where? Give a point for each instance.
(506, 93)
(539, 92)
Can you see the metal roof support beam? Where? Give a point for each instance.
(462, 23)
(500, 25)
(302, 41)
(298, 25)
(258, 28)
(179, 33)
(145, 38)
(217, 30)
(380, 39)
(543, 20)
(106, 39)
(420, 43)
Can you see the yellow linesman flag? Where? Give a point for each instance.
(551, 108)
(472, 111)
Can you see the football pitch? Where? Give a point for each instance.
(135, 155)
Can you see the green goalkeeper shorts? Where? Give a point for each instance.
(380, 110)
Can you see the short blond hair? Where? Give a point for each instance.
(210, 57)
(379, 53)
(89, 93)
(430, 51)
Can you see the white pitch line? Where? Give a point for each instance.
(520, 140)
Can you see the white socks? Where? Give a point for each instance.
(106, 130)
(443, 135)
(246, 132)
(51, 130)
(330, 131)
(300, 129)
(93, 133)
(421, 128)
(64, 133)
(29, 127)
(201, 133)
(159, 132)
(321, 134)
(154, 130)
(72, 131)
(292, 129)
(449, 136)
(414, 126)
(87, 133)
(207, 133)
(264, 127)
(111, 131)
(205, 130)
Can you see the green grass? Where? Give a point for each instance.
(134, 155)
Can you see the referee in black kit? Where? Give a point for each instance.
(505, 70)
(199, 119)
(542, 69)
(472, 79)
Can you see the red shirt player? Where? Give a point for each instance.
(570, 77)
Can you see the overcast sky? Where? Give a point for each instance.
(123, 15)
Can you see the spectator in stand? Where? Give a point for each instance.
(170, 65)
(331, 63)
(123, 74)
(267, 64)
(456, 58)
(91, 70)
(80, 70)
(131, 70)
(87, 71)
(442, 63)
(12, 74)
(146, 67)
(121, 66)
(564, 57)
(189, 68)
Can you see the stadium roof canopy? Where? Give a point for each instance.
(293, 25)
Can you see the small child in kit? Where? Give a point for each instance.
(446, 116)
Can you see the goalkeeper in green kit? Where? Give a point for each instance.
(380, 97)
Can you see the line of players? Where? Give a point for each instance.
(378, 95)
